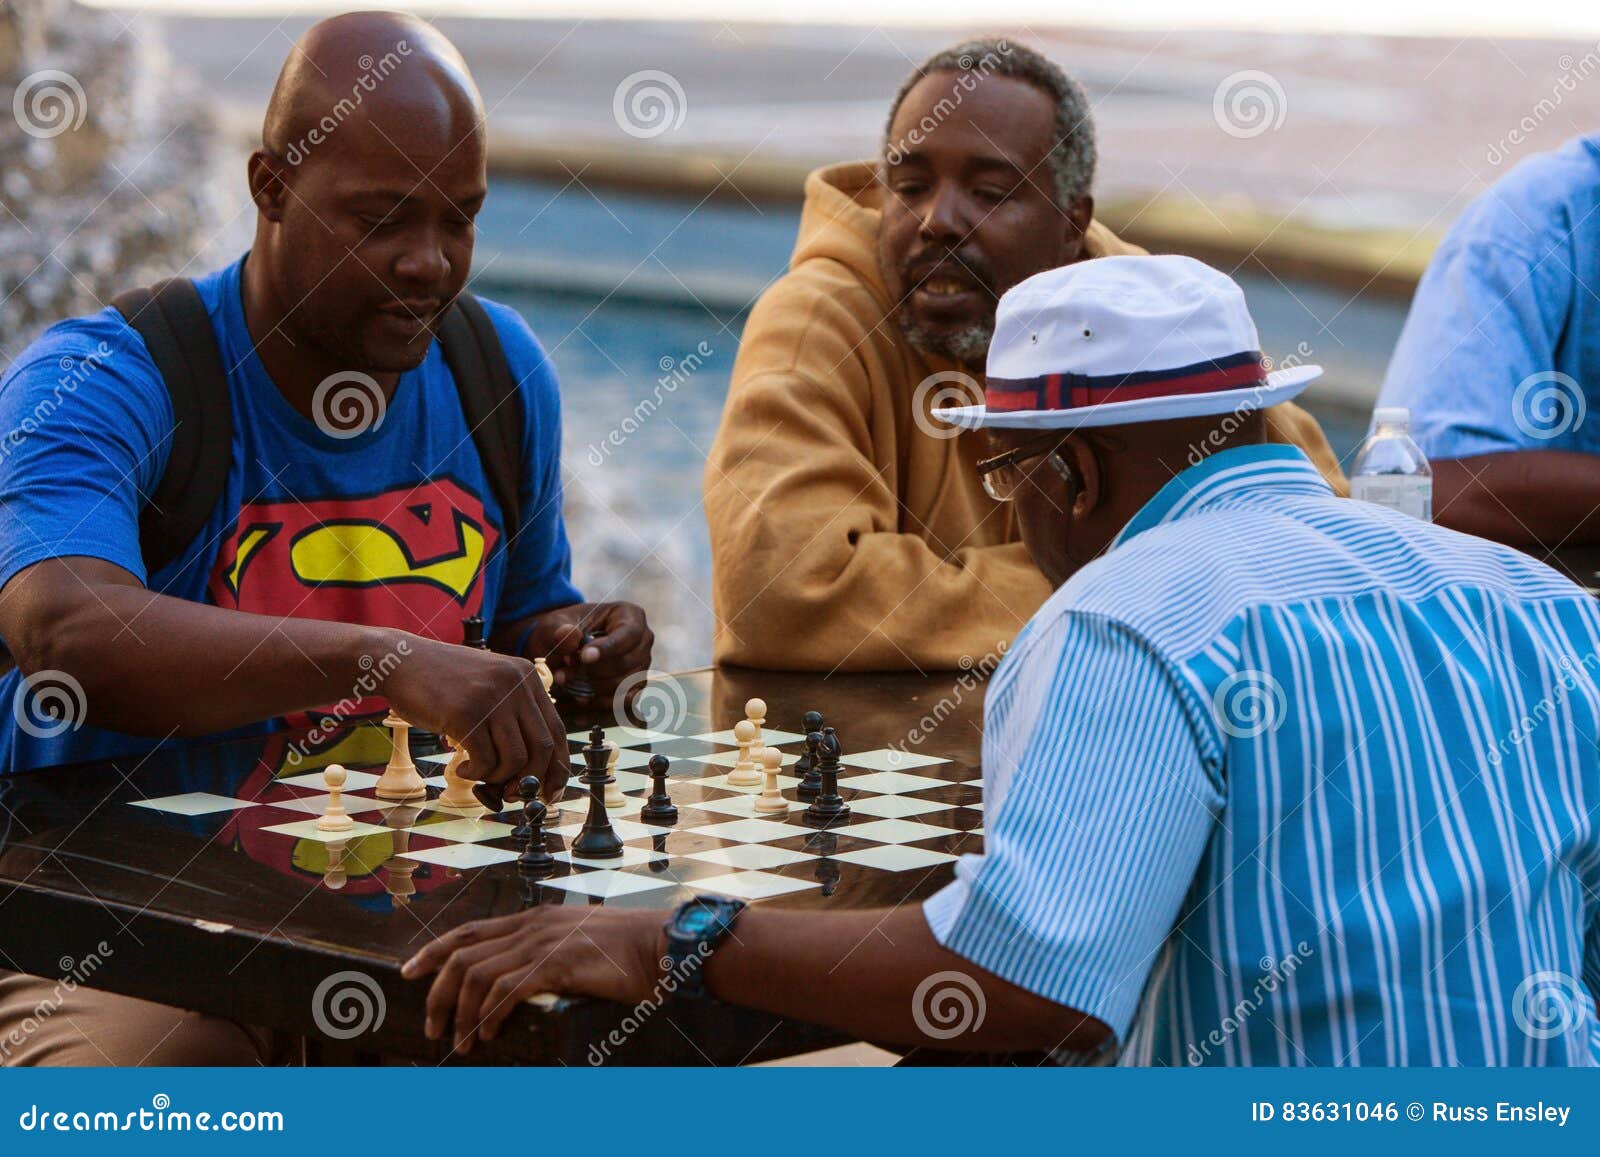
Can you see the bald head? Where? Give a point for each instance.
(363, 71)
(372, 169)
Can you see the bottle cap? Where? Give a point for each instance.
(1391, 416)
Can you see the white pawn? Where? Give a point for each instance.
(745, 773)
(771, 799)
(542, 669)
(334, 818)
(614, 796)
(755, 710)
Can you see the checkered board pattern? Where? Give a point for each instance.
(910, 813)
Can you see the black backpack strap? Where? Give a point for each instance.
(489, 399)
(176, 329)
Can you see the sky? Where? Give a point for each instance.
(1561, 18)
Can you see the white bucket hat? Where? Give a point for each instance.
(1115, 340)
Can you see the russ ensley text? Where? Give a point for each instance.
(1433, 1112)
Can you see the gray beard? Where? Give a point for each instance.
(969, 346)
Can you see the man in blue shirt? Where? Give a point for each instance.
(1272, 778)
(1499, 361)
(356, 531)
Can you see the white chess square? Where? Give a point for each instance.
(770, 737)
(463, 856)
(729, 758)
(631, 857)
(464, 831)
(308, 830)
(742, 806)
(895, 858)
(888, 782)
(194, 803)
(977, 807)
(895, 831)
(315, 805)
(750, 831)
(894, 807)
(353, 780)
(625, 736)
(751, 856)
(609, 884)
(751, 885)
(888, 759)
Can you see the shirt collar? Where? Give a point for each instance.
(1268, 466)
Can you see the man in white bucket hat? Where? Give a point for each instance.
(1276, 777)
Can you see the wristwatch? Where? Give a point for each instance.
(693, 933)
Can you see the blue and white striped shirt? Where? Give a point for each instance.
(1290, 779)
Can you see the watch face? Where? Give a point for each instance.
(697, 921)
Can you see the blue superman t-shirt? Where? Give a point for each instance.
(396, 526)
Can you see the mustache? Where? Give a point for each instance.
(962, 264)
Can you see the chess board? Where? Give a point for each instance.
(912, 813)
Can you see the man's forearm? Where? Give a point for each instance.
(880, 975)
(153, 665)
(1524, 498)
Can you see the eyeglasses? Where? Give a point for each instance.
(1004, 474)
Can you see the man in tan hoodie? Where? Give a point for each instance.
(849, 529)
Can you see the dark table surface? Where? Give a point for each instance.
(213, 912)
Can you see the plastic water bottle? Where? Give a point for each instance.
(1391, 469)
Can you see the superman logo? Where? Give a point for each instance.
(411, 558)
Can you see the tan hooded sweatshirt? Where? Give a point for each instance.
(844, 535)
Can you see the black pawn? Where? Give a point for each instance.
(472, 633)
(829, 806)
(659, 809)
(598, 840)
(534, 859)
(806, 766)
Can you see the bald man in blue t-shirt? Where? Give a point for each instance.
(331, 551)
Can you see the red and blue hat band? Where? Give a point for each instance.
(1073, 391)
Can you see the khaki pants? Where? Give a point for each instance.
(45, 1023)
